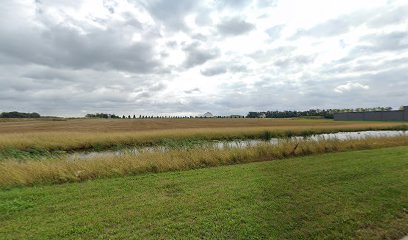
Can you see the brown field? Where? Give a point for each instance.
(126, 125)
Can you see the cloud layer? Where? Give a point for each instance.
(70, 58)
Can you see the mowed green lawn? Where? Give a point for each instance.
(351, 195)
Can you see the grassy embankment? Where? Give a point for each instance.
(32, 172)
(27, 138)
(349, 195)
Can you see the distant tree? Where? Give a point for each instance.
(252, 115)
(19, 115)
(322, 113)
(101, 115)
(123, 116)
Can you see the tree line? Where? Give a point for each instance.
(19, 115)
(107, 115)
(101, 115)
(322, 113)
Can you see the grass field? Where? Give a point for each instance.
(349, 195)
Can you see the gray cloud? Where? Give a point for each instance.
(86, 91)
(389, 16)
(332, 27)
(394, 41)
(47, 75)
(62, 46)
(234, 4)
(110, 5)
(220, 68)
(373, 18)
(372, 44)
(212, 71)
(266, 3)
(237, 68)
(194, 90)
(272, 53)
(274, 32)
(271, 94)
(294, 60)
(172, 14)
(234, 26)
(197, 55)
(158, 87)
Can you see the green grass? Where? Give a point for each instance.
(349, 195)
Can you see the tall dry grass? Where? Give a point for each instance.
(72, 141)
(14, 173)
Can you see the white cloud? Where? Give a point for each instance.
(350, 86)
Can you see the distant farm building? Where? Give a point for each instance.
(208, 115)
(399, 115)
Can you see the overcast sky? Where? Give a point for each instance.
(69, 58)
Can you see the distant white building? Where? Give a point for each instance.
(208, 115)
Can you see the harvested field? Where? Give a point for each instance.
(126, 125)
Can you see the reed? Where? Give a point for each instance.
(74, 141)
(15, 173)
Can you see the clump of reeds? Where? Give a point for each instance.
(15, 173)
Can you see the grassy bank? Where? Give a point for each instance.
(350, 195)
(49, 142)
(31, 172)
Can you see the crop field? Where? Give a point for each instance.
(126, 125)
(296, 188)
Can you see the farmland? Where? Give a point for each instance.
(296, 188)
(136, 125)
